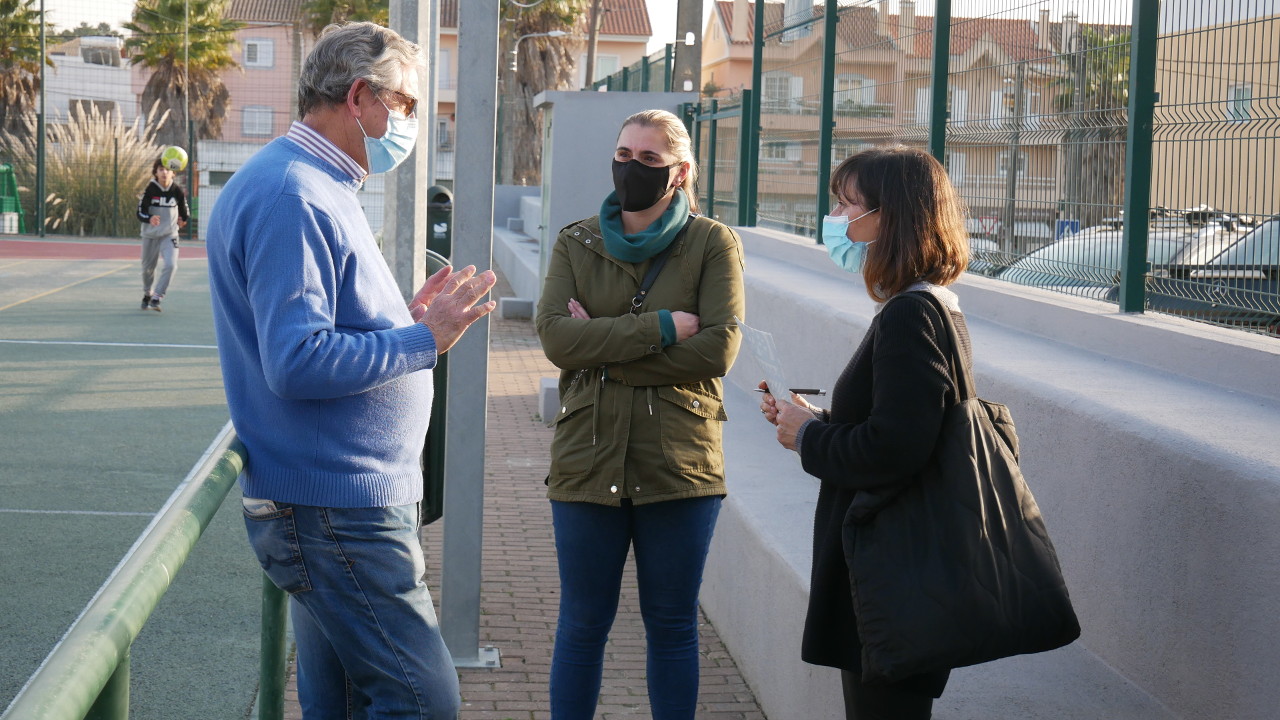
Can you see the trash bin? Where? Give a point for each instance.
(433, 453)
(440, 220)
(12, 221)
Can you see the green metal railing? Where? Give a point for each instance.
(86, 675)
(649, 74)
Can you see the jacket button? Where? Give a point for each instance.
(587, 241)
(637, 488)
(576, 233)
(613, 488)
(564, 409)
(696, 404)
(653, 348)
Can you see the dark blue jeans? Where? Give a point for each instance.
(368, 643)
(670, 541)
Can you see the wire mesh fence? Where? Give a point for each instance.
(1036, 135)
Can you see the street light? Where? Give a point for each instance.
(515, 57)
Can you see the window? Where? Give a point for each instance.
(955, 163)
(444, 141)
(606, 65)
(82, 108)
(258, 120)
(259, 53)
(781, 151)
(854, 90)
(444, 77)
(1239, 102)
(1002, 163)
(782, 91)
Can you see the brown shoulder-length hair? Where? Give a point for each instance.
(922, 235)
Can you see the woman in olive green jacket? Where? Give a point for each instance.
(636, 460)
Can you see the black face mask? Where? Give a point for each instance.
(640, 186)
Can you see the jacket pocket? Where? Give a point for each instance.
(691, 429)
(573, 447)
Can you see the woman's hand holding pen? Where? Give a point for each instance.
(787, 416)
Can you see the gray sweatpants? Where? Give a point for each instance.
(153, 250)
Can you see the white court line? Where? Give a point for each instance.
(108, 344)
(74, 512)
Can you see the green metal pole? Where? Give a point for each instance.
(668, 60)
(744, 153)
(1137, 187)
(40, 133)
(113, 701)
(941, 69)
(115, 186)
(711, 161)
(274, 653)
(827, 122)
(751, 121)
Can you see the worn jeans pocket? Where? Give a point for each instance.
(274, 538)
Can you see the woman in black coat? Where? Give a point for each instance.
(899, 222)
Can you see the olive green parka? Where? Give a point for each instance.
(638, 420)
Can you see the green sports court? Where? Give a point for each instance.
(104, 409)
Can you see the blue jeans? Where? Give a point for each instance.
(368, 642)
(670, 540)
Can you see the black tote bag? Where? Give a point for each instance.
(957, 568)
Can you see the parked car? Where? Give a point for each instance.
(1088, 262)
(1240, 285)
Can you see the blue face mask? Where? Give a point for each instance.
(845, 253)
(388, 151)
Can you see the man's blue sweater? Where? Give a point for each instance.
(320, 357)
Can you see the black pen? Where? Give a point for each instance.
(800, 391)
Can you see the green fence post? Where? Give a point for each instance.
(1137, 188)
(752, 156)
(827, 121)
(113, 701)
(744, 154)
(668, 60)
(274, 653)
(711, 160)
(941, 68)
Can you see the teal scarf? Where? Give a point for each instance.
(648, 242)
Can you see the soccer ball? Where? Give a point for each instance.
(174, 158)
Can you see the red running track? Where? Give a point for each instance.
(83, 250)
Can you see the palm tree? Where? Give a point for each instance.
(320, 13)
(19, 62)
(543, 63)
(185, 63)
(1095, 92)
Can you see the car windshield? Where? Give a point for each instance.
(1093, 260)
(1260, 247)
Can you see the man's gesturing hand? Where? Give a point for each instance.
(447, 303)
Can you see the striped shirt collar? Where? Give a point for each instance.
(320, 146)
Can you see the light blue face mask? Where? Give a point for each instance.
(845, 253)
(388, 151)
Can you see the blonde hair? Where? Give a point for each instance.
(922, 235)
(678, 144)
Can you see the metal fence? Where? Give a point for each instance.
(1121, 151)
(648, 74)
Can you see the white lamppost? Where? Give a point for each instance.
(515, 57)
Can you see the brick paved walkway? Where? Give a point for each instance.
(520, 588)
